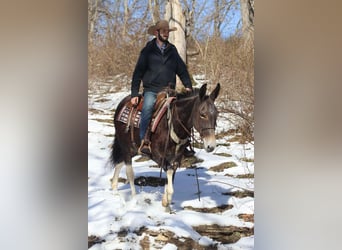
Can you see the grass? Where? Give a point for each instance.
(95, 111)
(245, 176)
(241, 176)
(218, 209)
(223, 166)
(237, 138)
(223, 134)
(110, 121)
(247, 159)
(103, 99)
(240, 194)
(223, 154)
(189, 161)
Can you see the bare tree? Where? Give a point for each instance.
(247, 16)
(125, 19)
(154, 7)
(175, 15)
(118, 26)
(220, 14)
(95, 10)
(92, 16)
(217, 19)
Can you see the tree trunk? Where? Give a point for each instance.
(217, 19)
(154, 9)
(247, 15)
(126, 16)
(92, 15)
(176, 18)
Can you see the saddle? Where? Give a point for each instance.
(131, 115)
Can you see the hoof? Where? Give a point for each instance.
(168, 209)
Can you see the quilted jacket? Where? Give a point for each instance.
(157, 70)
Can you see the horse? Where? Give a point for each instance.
(170, 137)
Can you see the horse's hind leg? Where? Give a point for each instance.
(129, 173)
(130, 176)
(115, 178)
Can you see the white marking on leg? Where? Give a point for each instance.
(130, 177)
(169, 185)
(167, 197)
(164, 200)
(116, 174)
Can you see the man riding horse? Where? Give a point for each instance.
(157, 67)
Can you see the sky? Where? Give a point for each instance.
(111, 212)
(203, 13)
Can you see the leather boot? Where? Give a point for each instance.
(188, 152)
(145, 148)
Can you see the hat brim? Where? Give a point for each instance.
(153, 28)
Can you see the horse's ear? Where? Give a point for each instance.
(215, 92)
(202, 91)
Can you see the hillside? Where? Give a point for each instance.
(221, 216)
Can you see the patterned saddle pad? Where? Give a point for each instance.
(125, 115)
(128, 113)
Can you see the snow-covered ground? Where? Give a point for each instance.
(120, 221)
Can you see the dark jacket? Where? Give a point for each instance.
(157, 70)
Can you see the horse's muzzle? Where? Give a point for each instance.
(209, 143)
(209, 149)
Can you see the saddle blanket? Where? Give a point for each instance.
(124, 116)
(128, 114)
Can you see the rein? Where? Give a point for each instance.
(185, 129)
(168, 117)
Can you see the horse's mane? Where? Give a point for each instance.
(183, 95)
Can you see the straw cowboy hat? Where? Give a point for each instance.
(162, 24)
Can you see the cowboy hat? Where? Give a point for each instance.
(162, 24)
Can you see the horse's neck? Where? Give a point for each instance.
(184, 109)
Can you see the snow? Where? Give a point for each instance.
(111, 212)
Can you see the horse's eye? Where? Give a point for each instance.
(203, 116)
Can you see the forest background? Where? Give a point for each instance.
(214, 38)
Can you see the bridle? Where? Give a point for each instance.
(203, 129)
(187, 130)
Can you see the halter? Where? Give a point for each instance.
(204, 129)
(176, 138)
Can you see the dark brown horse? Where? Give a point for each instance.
(170, 137)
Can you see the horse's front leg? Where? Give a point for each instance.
(167, 197)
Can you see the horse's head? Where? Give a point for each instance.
(205, 115)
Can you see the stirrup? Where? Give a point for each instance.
(145, 148)
(189, 152)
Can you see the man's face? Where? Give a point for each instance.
(163, 35)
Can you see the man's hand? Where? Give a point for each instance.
(188, 90)
(135, 100)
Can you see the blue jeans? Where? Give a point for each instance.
(146, 113)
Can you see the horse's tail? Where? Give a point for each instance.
(116, 155)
